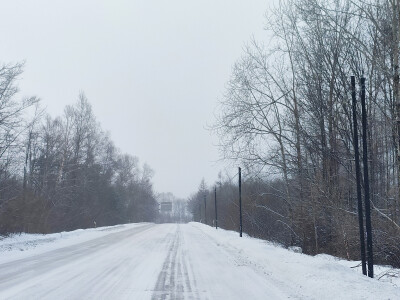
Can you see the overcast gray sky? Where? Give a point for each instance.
(152, 70)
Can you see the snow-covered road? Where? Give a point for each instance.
(179, 261)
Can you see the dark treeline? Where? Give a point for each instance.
(64, 173)
(286, 118)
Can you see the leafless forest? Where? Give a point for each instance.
(64, 173)
(286, 116)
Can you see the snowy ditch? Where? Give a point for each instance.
(275, 259)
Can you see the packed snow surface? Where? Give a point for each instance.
(175, 261)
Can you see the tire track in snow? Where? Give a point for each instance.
(174, 282)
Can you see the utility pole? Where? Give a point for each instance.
(240, 201)
(215, 202)
(205, 209)
(358, 175)
(200, 211)
(366, 183)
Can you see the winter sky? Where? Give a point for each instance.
(153, 71)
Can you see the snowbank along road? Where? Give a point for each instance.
(181, 261)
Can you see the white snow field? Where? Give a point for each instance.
(173, 261)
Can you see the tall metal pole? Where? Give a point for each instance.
(366, 183)
(358, 175)
(215, 202)
(240, 200)
(199, 211)
(205, 209)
